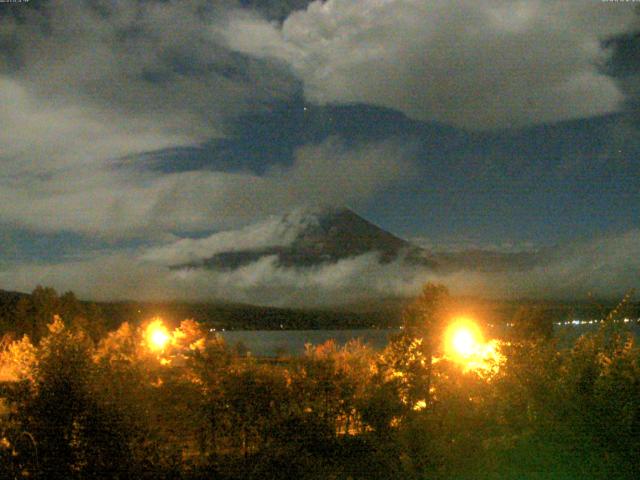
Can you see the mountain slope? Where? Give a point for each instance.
(320, 236)
(310, 237)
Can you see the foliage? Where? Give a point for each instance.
(119, 406)
(30, 314)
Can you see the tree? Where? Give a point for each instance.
(532, 323)
(23, 317)
(78, 432)
(425, 319)
(45, 304)
(255, 398)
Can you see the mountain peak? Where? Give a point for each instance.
(303, 237)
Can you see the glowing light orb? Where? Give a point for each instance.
(465, 345)
(159, 339)
(463, 342)
(157, 335)
(463, 339)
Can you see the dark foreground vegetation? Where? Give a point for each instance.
(149, 401)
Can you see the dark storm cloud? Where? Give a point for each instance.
(277, 10)
(624, 66)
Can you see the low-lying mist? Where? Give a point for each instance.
(604, 267)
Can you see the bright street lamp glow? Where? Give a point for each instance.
(463, 342)
(465, 345)
(159, 339)
(157, 335)
(463, 339)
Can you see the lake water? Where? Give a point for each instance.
(291, 342)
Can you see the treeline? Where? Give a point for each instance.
(373, 314)
(29, 314)
(148, 401)
(23, 313)
(252, 317)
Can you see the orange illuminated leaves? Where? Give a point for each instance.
(465, 345)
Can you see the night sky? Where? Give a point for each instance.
(129, 125)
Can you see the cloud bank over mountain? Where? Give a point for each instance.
(107, 201)
(272, 232)
(605, 267)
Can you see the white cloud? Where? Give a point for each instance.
(39, 138)
(478, 64)
(99, 199)
(605, 267)
(275, 231)
(83, 86)
(131, 60)
(329, 173)
(129, 276)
